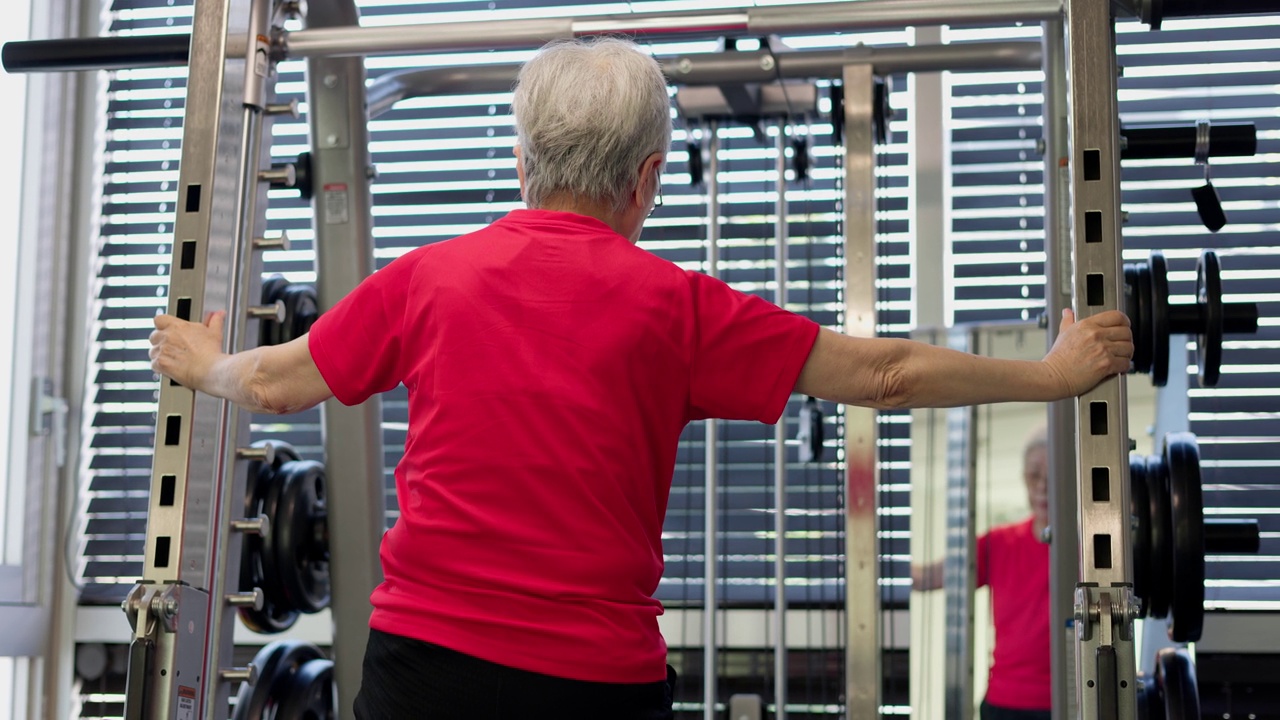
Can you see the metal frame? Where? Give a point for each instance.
(711, 426)
(220, 125)
(780, 672)
(1105, 606)
(342, 207)
(959, 569)
(863, 676)
(1064, 541)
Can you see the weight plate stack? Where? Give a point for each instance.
(1161, 539)
(1186, 518)
(272, 617)
(1140, 503)
(300, 546)
(277, 664)
(1209, 298)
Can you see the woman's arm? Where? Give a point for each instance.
(278, 380)
(888, 373)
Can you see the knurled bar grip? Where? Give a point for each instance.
(96, 53)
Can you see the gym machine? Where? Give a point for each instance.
(182, 609)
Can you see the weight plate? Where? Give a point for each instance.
(1159, 570)
(1186, 513)
(1176, 678)
(301, 310)
(271, 584)
(301, 547)
(1209, 297)
(272, 618)
(276, 663)
(1140, 509)
(1136, 305)
(1147, 338)
(272, 290)
(309, 694)
(1159, 319)
(1150, 706)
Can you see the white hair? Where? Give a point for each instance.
(588, 112)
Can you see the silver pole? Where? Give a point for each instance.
(733, 67)
(710, 611)
(1105, 606)
(1064, 542)
(533, 33)
(780, 456)
(862, 547)
(343, 222)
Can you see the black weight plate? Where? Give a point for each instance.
(1150, 706)
(301, 310)
(271, 585)
(1159, 319)
(1159, 571)
(1186, 508)
(1176, 677)
(1136, 305)
(1140, 509)
(276, 663)
(309, 694)
(272, 618)
(301, 554)
(1209, 297)
(1147, 338)
(272, 290)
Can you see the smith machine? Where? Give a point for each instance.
(198, 536)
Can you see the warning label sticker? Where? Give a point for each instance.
(186, 703)
(335, 203)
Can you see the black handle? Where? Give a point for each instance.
(1179, 141)
(99, 53)
(1214, 8)
(1240, 318)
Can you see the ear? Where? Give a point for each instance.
(519, 167)
(646, 184)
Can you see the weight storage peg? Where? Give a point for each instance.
(278, 667)
(299, 309)
(1153, 318)
(1171, 537)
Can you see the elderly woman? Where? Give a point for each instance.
(520, 574)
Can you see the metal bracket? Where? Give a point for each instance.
(49, 416)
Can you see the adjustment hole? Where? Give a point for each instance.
(1101, 484)
(1092, 165)
(1102, 552)
(1098, 418)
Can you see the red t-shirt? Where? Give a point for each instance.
(1016, 566)
(551, 366)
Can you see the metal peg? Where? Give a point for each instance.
(273, 243)
(246, 599)
(274, 311)
(290, 108)
(266, 452)
(248, 674)
(283, 176)
(260, 526)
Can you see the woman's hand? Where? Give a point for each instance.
(1091, 350)
(186, 351)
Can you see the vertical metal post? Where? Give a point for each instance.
(343, 212)
(1064, 543)
(930, 180)
(180, 614)
(863, 680)
(958, 571)
(710, 611)
(780, 673)
(1104, 603)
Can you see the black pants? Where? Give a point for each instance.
(987, 711)
(412, 680)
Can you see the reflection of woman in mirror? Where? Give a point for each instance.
(1013, 560)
